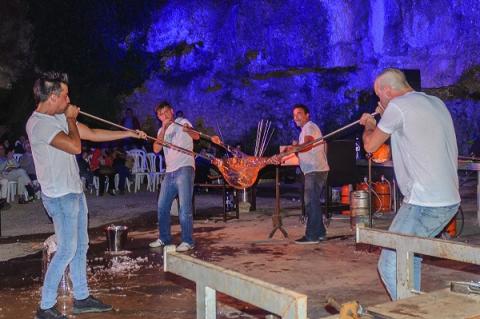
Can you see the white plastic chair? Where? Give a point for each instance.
(11, 191)
(140, 168)
(156, 174)
(117, 181)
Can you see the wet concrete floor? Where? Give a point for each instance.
(135, 284)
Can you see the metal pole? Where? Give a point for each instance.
(370, 215)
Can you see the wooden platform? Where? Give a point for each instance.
(440, 304)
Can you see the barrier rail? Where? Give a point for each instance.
(406, 246)
(211, 278)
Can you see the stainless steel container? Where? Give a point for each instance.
(359, 208)
(116, 237)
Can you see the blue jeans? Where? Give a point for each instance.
(179, 182)
(314, 185)
(69, 214)
(414, 220)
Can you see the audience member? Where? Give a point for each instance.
(10, 170)
(119, 165)
(26, 162)
(101, 166)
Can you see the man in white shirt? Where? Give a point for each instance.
(179, 177)
(55, 137)
(314, 166)
(425, 159)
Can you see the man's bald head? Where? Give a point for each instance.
(389, 84)
(394, 78)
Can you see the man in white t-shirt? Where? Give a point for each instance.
(179, 177)
(55, 137)
(314, 166)
(425, 159)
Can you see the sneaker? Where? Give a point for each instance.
(322, 238)
(90, 304)
(305, 241)
(156, 243)
(50, 313)
(184, 247)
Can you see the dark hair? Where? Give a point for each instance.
(47, 84)
(301, 106)
(163, 104)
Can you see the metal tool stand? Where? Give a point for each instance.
(276, 217)
(370, 214)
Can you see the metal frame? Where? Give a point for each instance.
(210, 278)
(406, 246)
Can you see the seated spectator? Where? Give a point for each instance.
(10, 170)
(19, 145)
(119, 165)
(101, 165)
(6, 144)
(26, 162)
(84, 169)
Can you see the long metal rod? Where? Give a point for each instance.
(320, 139)
(164, 143)
(206, 136)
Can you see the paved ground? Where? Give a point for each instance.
(138, 288)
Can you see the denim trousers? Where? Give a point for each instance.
(313, 189)
(414, 220)
(69, 214)
(179, 182)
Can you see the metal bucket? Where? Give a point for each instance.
(359, 208)
(116, 237)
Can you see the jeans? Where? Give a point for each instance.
(414, 220)
(179, 182)
(314, 185)
(69, 214)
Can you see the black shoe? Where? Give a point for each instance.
(50, 313)
(112, 192)
(30, 190)
(322, 238)
(89, 304)
(305, 241)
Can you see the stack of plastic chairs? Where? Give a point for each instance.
(156, 172)
(140, 168)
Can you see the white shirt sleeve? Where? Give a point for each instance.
(46, 133)
(392, 119)
(311, 130)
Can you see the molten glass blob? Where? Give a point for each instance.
(382, 154)
(240, 172)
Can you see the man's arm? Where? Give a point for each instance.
(188, 129)
(99, 135)
(70, 142)
(307, 139)
(372, 137)
(157, 147)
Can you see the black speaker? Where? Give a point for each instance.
(413, 78)
(341, 159)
